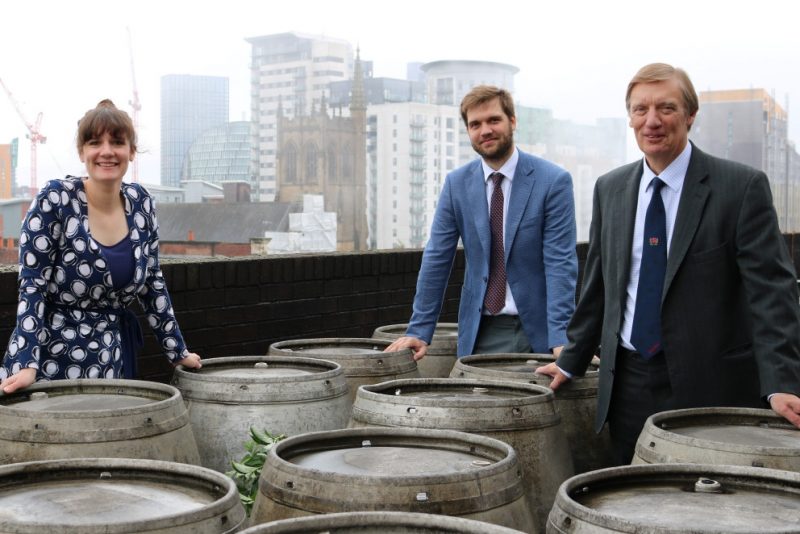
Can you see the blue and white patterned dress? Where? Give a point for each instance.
(69, 314)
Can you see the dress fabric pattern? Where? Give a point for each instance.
(69, 314)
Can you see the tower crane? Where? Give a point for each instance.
(34, 133)
(134, 103)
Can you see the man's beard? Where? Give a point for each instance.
(503, 148)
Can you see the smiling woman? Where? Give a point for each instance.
(88, 248)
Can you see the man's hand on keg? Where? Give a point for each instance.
(417, 346)
(552, 370)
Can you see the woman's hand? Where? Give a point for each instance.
(191, 360)
(21, 380)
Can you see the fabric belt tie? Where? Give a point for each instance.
(132, 339)
(132, 342)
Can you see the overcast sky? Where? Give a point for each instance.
(575, 57)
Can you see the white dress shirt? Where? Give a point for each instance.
(673, 177)
(508, 169)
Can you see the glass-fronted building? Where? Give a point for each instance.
(220, 154)
(190, 105)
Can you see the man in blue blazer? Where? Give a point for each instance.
(521, 301)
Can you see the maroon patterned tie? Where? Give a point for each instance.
(496, 290)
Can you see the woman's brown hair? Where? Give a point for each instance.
(106, 117)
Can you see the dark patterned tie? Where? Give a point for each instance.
(646, 331)
(496, 290)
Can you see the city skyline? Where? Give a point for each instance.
(574, 58)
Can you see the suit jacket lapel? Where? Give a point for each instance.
(476, 200)
(521, 188)
(626, 194)
(690, 209)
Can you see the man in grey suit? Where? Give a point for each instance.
(715, 321)
(515, 215)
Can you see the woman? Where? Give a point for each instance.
(88, 248)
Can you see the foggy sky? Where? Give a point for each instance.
(575, 57)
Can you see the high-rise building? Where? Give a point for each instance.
(377, 91)
(410, 149)
(749, 126)
(290, 71)
(190, 105)
(449, 80)
(587, 151)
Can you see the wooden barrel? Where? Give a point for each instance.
(672, 498)
(362, 359)
(733, 436)
(522, 415)
(96, 418)
(576, 400)
(399, 469)
(441, 354)
(384, 522)
(281, 395)
(116, 496)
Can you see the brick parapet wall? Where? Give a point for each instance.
(239, 306)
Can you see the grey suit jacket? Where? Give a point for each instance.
(729, 313)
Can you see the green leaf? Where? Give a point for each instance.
(247, 471)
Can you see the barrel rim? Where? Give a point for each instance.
(384, 519)
(448, 339)
(279, 345)
(411, 437)
(544, 357)
(363, 365)
(227, 501)
(653, 426)
(329, 383)
(566, 504)
(536, 394)
(535, 410)
(284, 482)
(101, 384)
(332, 369)
(576, 388)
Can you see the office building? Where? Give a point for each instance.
(751, 127)
(190, 105)
(449, 80)
(290, 71)
(410, 149)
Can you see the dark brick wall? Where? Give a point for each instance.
(230, 307)
(239, 306)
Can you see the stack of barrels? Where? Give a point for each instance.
(378, 443)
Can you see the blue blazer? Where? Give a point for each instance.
(541, 262)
